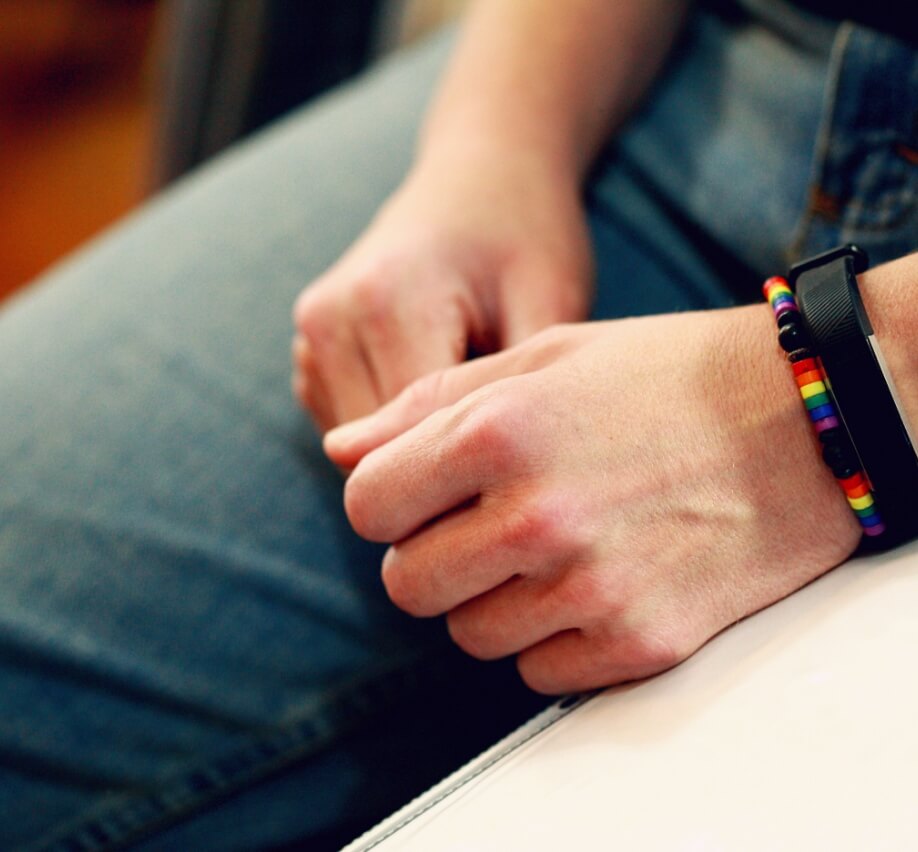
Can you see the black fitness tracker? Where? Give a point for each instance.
(860, 383)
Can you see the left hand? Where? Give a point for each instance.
(602, 498)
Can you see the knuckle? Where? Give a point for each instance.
(582, 592)
(374, 296)
(545, 523)
(536, 675)
(466, 632)
(360, 506)
(646, 650)
(486, 430)
(309, 306)
(401, 587)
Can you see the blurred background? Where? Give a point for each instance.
(103, 102)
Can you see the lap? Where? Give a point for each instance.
(187, 619)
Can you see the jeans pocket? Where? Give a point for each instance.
(880, 184)
(866, 188)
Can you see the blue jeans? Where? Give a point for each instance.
(195, 650)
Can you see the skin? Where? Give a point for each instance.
(601, 506)
(589, 497)
(485, 242)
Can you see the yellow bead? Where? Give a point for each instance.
(864, 502)
(778, 289)
(812, 389)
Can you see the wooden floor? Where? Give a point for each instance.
(74, 144)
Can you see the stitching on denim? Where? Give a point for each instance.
(114, 827)
(801, 233)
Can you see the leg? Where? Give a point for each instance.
(185, 609)
(194, 649)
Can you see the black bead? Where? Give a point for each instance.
(833, 435)
(800, 355)
(838, 455)
(844, 471)
(789, 318)
(792, 337)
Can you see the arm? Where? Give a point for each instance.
(554, 508)
(548, 78)
(486, 241)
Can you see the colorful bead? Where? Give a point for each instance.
(861, 491)
(815, 391)
(825, 425)
(808, 378)
(821, 412)
(807, 365)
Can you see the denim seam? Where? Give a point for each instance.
(114, 827)
(823, 141)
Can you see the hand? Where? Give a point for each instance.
(474, 254)
(601, 499)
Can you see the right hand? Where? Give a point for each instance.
(463, 258)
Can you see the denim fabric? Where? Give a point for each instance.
(195, 651)
(866, 186)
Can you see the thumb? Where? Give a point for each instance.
(347, 444)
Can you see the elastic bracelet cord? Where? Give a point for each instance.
(837, 448)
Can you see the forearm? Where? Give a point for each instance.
(549, 79)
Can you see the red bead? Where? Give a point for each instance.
(861, 490)
(775, 279)
(852, 481)
(805, 366)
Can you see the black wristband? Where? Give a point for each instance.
(834, 316)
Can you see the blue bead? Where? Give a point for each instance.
(827, 410)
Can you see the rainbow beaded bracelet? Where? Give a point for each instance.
(838, 452)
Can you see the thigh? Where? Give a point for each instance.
(185, 611)
(707, 190)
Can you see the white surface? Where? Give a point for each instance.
(795, 729)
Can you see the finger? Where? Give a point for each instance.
(578, 660)
(345, 372)
(306, 385)
(522, 612)
(449, 458)
(337, 374)
(349, 443)
(464, 555)
(409, 337)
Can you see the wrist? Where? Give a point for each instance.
(498, 150)
(777, 420)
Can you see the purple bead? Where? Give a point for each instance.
(830, 422)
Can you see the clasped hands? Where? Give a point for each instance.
(597, 498)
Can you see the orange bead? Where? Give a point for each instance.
(861, 490)
(809, 378)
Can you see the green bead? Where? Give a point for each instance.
(816, 401)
